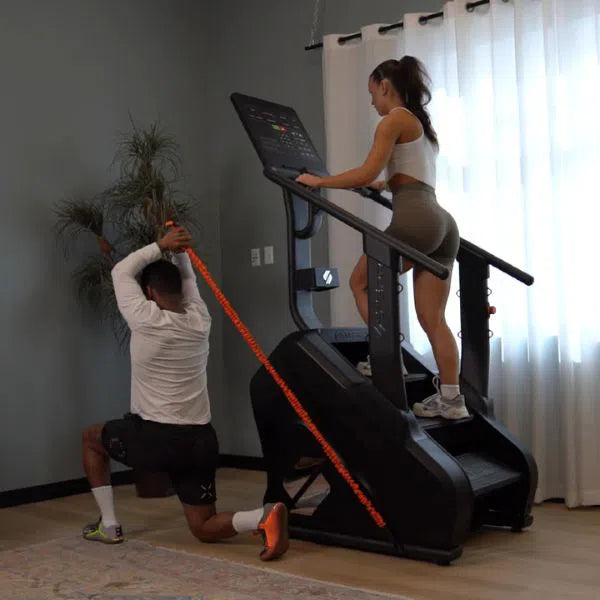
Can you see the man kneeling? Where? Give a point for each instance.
(169, 428)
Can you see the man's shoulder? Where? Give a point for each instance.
(197, 306)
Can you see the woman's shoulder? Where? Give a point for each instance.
(397, 119)
(404, 122)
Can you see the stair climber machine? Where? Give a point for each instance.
(431, 480)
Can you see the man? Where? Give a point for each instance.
(169, 428)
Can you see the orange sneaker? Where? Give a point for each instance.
(274, 531)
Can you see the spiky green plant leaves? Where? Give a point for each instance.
(128, 215)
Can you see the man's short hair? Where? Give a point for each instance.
(163, 276)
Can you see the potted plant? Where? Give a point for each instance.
(126, 216)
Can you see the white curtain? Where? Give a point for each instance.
(515, 90)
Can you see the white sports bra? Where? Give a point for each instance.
(415, 159)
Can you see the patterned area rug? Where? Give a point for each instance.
(73, 569)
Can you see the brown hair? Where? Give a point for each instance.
(163, 276)
(411, 81)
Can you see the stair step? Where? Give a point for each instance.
(414, 377)
(439, 422)
(485, 473)
(411, 377)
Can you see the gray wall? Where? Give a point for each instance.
(258, 49)
(70, 72)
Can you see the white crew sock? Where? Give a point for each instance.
(247, 520)
(104, 499)
(449, 392)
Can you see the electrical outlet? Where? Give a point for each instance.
(269, 260)
(255, 257)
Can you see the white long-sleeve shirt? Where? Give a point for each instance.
(169, 350)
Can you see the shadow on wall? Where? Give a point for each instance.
(59, 371)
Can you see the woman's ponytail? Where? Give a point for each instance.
(411, 82)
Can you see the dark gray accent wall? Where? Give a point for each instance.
(71, 72)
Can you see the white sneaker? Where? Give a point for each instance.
(364, 368)
(430, 407)
(436, 406)
(454, 409)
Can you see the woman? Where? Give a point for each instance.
(406, 142)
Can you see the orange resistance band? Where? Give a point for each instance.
(293, 400)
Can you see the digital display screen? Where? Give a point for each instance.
(278, 135)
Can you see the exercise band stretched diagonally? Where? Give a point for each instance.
(289, 394)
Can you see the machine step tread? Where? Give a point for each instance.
(411, 377)
(415, 377)
(486, 473)
(439, 422)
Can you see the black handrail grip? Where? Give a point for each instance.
(349, 219)
(374, 195)
(494, 261)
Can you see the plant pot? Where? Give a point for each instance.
(153, 484)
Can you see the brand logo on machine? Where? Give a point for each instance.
(327, 277)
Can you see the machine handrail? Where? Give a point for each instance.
(349, 219)
(466, 247)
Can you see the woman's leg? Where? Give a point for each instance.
(359, 283)
(431, 297)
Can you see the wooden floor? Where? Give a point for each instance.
(558, 558)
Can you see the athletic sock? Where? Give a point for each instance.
(247, 520)
(104, 499)
(449, 392)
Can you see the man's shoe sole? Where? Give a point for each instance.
(282, 544)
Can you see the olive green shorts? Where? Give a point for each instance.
(419, 221)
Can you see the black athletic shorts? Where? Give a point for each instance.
(189, 453)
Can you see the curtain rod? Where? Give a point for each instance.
(470, 6)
